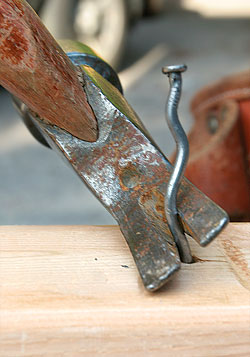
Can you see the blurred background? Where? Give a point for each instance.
(137, 37)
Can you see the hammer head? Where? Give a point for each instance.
(128, 173)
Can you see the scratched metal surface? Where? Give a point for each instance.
(128, 174)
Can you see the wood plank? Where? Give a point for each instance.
(75, 291)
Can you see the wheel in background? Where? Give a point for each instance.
(103, 25)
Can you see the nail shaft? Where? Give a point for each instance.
(182, 152)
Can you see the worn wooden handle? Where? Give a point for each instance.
(34, 68)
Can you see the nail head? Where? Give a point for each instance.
(176, 68)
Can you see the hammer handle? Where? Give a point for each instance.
(35, 69)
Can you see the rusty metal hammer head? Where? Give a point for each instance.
(129, 175)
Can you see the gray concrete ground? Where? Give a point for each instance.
(36, 187)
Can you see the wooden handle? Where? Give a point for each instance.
(34, 68)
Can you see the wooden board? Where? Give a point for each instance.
(75, 291)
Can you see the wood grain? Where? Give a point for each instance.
(34, 68)
(75, 291)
